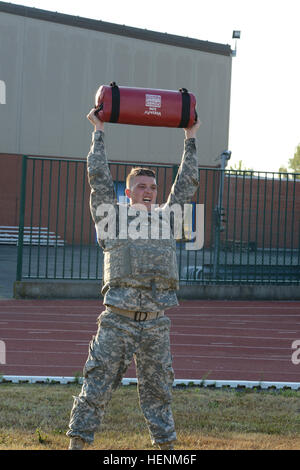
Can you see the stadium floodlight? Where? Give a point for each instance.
(235, 35)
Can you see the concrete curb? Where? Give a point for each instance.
(53, 289)
(20, 379)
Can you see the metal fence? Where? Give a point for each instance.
(251, 224)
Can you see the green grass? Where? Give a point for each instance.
(35, 416)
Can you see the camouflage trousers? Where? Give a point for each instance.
(118, 340)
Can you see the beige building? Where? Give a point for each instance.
(52, 64)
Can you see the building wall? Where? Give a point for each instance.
(264, 211)
(52, 71)
(10, 183)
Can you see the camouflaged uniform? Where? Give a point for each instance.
(120, 338)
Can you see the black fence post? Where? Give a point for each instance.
(21, 218)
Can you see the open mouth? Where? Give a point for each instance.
(147, 199)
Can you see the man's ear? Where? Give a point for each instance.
(128, 193)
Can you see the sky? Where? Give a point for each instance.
(265, 88)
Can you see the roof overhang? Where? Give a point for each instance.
(113, 28)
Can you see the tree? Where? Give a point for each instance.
(294, 163)
(241, 169)
(283, 169)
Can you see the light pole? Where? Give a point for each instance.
(235, 35)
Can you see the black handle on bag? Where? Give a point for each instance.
(115, 102)
(186, 107)
(98, 109)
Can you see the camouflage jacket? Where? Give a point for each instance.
(103, 192)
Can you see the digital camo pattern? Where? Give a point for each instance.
(137, 299)
(102, 191)
(102, 187)
(100, 180)
(187, 178)
(118, 340)
(122, 263)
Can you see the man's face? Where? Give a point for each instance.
(143, 190)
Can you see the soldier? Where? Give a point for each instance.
(140, 282)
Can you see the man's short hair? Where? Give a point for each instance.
(139, 171)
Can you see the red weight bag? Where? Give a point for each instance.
(145, 106)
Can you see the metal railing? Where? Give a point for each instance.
(251, 224)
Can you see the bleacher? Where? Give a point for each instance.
(9, 235)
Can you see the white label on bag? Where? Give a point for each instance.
(152, 103)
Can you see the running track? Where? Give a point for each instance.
(215, 340)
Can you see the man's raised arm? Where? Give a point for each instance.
(186, 181)
(99, 176)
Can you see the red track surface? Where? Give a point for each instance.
(216, 340)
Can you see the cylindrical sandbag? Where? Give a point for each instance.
(146, 106)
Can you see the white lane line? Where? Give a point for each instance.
(173, 345)
(235, 358)
(282, 306)
(49, 330)
(230, 345)
(260, 338)
(44, 314)
(286, 331)
(38, 339)
(198, 335)
(36, 332)
(200, 320)
(32, 366)
(216, 315)
(231, 328)
(202, 303)
(67, 353)
(35, 321)
(87, 307)
(182, 356)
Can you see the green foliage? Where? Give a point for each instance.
(294, 164)
(241, 169)
(42, 438)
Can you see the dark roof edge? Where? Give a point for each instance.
(113, 28)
